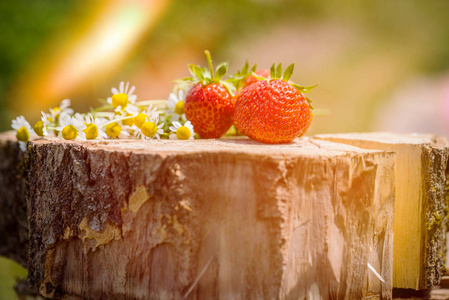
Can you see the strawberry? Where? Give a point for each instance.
(272, 110)
(210, 103)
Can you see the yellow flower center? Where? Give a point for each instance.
(91, 131)
(183, 133)
(120, 99)
(179, 108)
(69, 132)
(128, 122)
(22, 134)
(140, 119)
(149, 129)
(113, 130)
(39, 128)
(57, 111)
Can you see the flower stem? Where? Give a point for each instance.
(116, 120)
(209, 61)
(102, 114)
(153, 102)
(101, 108)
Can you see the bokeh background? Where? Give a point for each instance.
(382, 65)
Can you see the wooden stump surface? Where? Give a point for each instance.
(227, 218)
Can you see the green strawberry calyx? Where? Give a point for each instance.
(210, 76)
(240, 77)
(276, 74)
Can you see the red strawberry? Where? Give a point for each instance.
(262, 73)
(210, 103)
(273, 110)
(210, 109)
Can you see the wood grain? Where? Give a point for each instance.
(204, 219)
(420, 209)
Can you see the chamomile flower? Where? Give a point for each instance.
(150, 129)
(122, 97)
(71, 128)
(94, 126)
(115, 128)
(23, 129)
(41, 127)
(63, 108)
(182, 132)
(175, 103)
(127, 118)
(150, 114)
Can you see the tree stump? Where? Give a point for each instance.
(420, 207)
(203, 219)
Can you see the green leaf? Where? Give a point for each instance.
(235, 78)
(258, 77)
(192, 69)
(185, 79)
(304, 89)
(273, 71)
(253, 69)
(310, 103)
(207, 77)
(288, 72)
(245, 68)
(221, 71)
(279, 71)
(197, 71)
(229, 86)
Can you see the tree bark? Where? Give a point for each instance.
(205, 219)
(420, 207)
(13, 219)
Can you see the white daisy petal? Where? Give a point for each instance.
(121, 85)
(68, 111)
(64, 104)
(44, 117)
(126, 88)
(79, 117)
(114, 91)
(23, 146)
(102, 134)
(81, 136)
(132, 109)
(131, 90)
(172, 99)
(15, 125)
(181, 95)
(20, 122)
(64, 120)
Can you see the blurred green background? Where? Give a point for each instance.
(382, 65)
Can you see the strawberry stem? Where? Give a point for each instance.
(209, 61)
